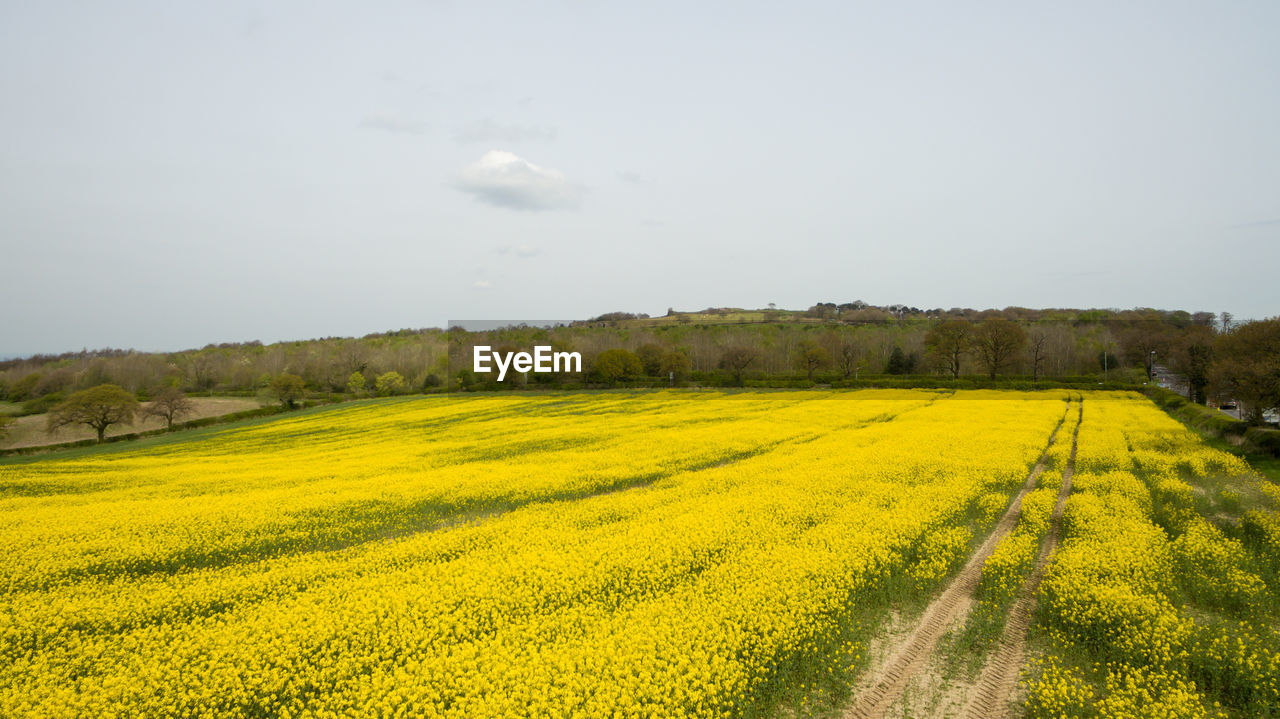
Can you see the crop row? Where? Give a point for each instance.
(1151, 608)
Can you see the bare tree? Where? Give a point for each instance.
(169, 404)
(1143, 342)
(737, 358)
(351, 356)
(848, 357)
(997, 341)
(813, 356)
(202, 368)
(949, 341)
(1038, 348)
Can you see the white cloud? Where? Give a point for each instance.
(488, 131)
(522, 251)
(507, 180)
(393, 123)
(482, 284)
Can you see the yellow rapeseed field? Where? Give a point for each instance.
(1159, 603)
(588, 555)
(648, 554)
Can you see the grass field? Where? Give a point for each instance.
(613, 554)
(30, 431)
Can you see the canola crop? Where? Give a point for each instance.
(1159, 603)
(657, 554)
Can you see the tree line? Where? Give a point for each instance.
(826, 344)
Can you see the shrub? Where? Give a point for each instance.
(40, 405)
(356, 384)
(287, 389)
(390, 383)
(614, 365)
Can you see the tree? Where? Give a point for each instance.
(848, 357)
(25, 388)
(675, 365)
(900, 362)
(1248, 366)
(1204, 319)
(169, 404)
(356, 383)
(1143, 343)
(288, 389)
(613, 365)
(98, 407)
(1191, 357)
(1037, 345)
(997, 341)
(949, 341)
(651, 356)
(1199, 359)
(736, 359)
(389, 383)
(1226, 318)
(202, 369)
(812, 357)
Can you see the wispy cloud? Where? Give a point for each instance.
(482, 285)
(506, 180)
(390, 122)
(1259, 223)
(488, 131)
(629, 176)
(521, 251)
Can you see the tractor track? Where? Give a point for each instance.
(913, 653)
(992, 696)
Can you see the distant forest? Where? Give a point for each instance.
(828, 344)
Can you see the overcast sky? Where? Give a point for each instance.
(173, 174)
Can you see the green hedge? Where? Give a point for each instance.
(1213, 422)
(1264, 439)
(1197, 415)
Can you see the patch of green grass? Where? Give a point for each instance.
(11, 408)
(817, 682)
(964, 650)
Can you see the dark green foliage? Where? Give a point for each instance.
(651, 355)
(900, 362)
(24, 388)
(616, 365)
(40, 405)
(287, 389)
(98, 407)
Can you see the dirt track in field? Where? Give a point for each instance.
(993, 695)
(912, 654)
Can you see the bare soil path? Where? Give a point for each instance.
(993, 695)
(911, 655)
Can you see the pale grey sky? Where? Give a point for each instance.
(173, 174)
